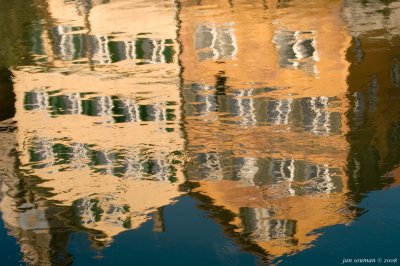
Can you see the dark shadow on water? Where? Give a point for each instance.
(7, 96)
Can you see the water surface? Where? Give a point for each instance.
(199, 132)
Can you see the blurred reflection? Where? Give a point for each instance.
(252, 148)
(247, 107)
(215, 42)
(98, 124)
(277, 116)
(297, 50)
(271, 148)
(70, 46)
(373, 94)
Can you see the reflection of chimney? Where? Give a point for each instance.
(220, 85)
(158, 221)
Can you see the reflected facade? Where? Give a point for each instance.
(124, 150)
(276, 117)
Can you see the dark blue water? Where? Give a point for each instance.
(196, 240)
(368, 237)
(192, 239)
(10, 251)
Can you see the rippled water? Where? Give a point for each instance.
(199, 132)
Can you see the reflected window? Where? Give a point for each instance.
(36, 46)
(245, 107)
(146, 51)
(205, 98)
(65, 104)
(102, 49)
(127, 163)
(283, 171)
(98, 106)
(154, 51)
(319, 121)
(41, 153)
(89, 210)
(94, 210)
(259, 222)
(119, 109)
(313, 114)
(319, 179)
(36, 100)
(207, 166)
(279, 111)
(212, 167)
(317, 118)
(68, 44)
(80, 156)
(248, 170)
(215, 42)
(102, 52)
(304, 178)
(297, 50)
(280, 177)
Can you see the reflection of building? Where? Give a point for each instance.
(104, 32)
(69, 44)
(265, 102)
(263, 44)
(374, 77)
(367, 16)
(314, 114)
(25, 221)
(26, 215)
(265, 123)
(294, 177)
(100, 126)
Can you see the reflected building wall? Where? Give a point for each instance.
(41, 227)
(98, 113)
(23, 210)
(298, 57)
(373, 93)
(265, 123)
(27, 216)
(272, 140)
(27, 226)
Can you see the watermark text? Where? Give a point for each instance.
(370, 261)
